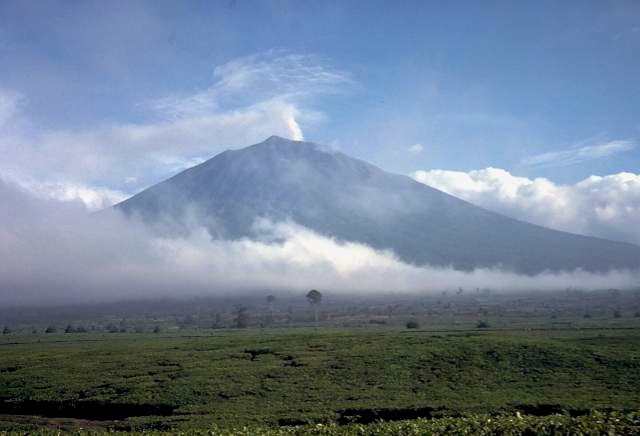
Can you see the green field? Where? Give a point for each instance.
(280, 378)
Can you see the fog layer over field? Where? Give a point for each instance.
(57, 252)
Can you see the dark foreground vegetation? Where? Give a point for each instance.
(596, 423)
(329, 381)
(427, 369)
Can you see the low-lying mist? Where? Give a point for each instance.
(56, 252)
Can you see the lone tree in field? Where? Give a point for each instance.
(315, 298)
(241, 319)
(270, 300)
(413, 324)
(483, 325)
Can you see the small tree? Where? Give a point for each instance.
(413, 324)
(315, 298)
(50, 329)
(483, 325)
(6, 330)
(270, 300)
(241, 319)
(217, 323)
(69, 329)
(289, 314)
(112, 328)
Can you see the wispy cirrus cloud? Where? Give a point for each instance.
(576, 155)
(250, 99)
(9, 104)
(275, 74)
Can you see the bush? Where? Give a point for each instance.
(483, 324)
(595, 423)
(50, 329)
(257, 352)
(377, 321)
(112, 328)
(413, 324)
(6, 330)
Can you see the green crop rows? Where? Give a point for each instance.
(324, 381)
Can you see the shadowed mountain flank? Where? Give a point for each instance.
(350, 200)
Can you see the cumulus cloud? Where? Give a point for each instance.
(92, 198)
(55, 252)
(416, 148)
(575, 155)
(608, 207)
(250, 99)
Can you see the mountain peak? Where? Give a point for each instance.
(280, 140)
(283, 146)
(350, 200)
(277, 141)
(276, 138)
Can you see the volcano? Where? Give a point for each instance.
(351, 200)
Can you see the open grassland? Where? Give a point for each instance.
(343, 379)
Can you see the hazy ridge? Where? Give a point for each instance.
(351, 200)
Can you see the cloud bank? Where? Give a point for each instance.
(608, 207)
(56, 252)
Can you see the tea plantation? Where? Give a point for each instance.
(323, 381)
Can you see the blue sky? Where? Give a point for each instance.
(527, 108)
(541, 89)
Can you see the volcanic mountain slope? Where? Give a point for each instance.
(351, 200)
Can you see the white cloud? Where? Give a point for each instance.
(54, 252)
(416, 148)
(577, 155)
(275, 74)
(607, 207)
(93, 198)
(9, 103)
(251, 98)
(119, 151)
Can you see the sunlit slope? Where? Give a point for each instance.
(351, 200)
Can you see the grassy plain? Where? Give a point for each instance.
(276, 378)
